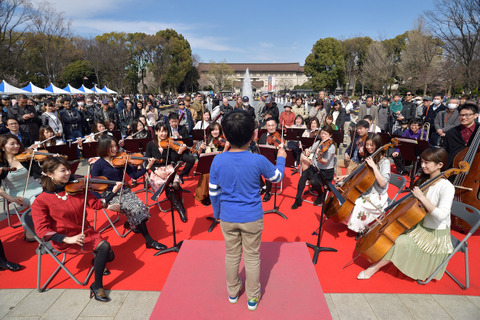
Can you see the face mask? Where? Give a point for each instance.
(436, 101)
(245, 104)
(89, 104)
(452, 106)
(80, 104)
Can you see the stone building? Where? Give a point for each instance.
(273, 77)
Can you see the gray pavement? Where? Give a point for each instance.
(75, 304)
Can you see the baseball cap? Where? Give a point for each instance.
(245, 99)
(5, 97)
(268, 100)
(104, 101)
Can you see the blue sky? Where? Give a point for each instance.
(247, 31)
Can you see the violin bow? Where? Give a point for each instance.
(87, 182)
(42, 142)
(28, 174)
(123, 180)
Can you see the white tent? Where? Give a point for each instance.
(72, 90)
(55, 90)
(33, 89)
(85, 89)
(99, 91)
(110, 91)
(9, 89)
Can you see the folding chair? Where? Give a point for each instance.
(111, 224)
(6, 210)
(46, 248)
(398, 181)
(470, 215)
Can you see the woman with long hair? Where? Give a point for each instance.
(419, 251)
(57, 217)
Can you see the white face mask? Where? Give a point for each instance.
(452, 106)
(80, 104)
(245, 104)
(437, 101)
(89, 104)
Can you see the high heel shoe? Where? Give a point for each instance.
(155, 245)
(99, 294)
(363, 276)
(11, 266)
(181, 211)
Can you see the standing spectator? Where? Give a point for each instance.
(287, 117)
(270, 106)
(430, 113)
(198, 107)
(368, 109)
(324, 100)
(50, 118)
(128, 114)
(338, 113)
(318, 111)
(444, 121)
(14, 129)
(300, 109)
(426, 103)
(6, 104)
(26, 116)
(245, 106)
(106, 113)
(385, 116)
(71, 121)
(409, 109)
(187, 119)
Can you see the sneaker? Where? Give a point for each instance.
(235, 299)
(252, 304)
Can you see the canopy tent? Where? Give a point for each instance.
(7, 88)
(110, 91)
(33, 89)
(85, 89)
(72, 90)
(55, 90)
(99, 91)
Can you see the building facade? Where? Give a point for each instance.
(271, 77)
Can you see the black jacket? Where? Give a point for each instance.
(30, 126)
(453, 142)
(340, 122)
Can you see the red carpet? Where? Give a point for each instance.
(135, 267)
(196, 285)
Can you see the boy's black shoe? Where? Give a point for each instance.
(297, 203)
(267, 197)
(318, 201)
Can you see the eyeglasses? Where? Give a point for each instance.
(466, 115)
(408, 94)
(181, 104)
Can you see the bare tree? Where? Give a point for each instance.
(220, 75)
(14, 23)
(378, 67)
(457, 24)
(419, 66)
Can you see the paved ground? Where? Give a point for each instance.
(75, 304)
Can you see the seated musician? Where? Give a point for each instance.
(215, 142)
(298, 123)
(136, 212)
(138, 130)
(161, 171)
(206, 120)
(4, 263)
(373, 127)
(313, 127)
(13, 182)
(460, 137)
(420, 251)
(356, 150)
(368, 205)
(177, 132)
(329, 122)
(57, 216)
(44, 133)
(322, 161)
(413, 132)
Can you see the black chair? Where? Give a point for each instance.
(470, 215)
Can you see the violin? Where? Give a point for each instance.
(323, 147)
(98, 184)
(361, 146)
(8, 169)
(357, 182)
(275, 139)
(175, 145)
(405, 214)
(314, 133)
(135, 159)
(40, 155)
(219, 141)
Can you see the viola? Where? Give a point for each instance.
(98, 184)
(275, 139)
(40, 155)
(405, 214)
(323, 147)
(135, 159)
(354, 185)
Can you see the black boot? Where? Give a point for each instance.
(177, 203)
(297, 203)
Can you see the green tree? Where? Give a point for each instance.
(75, 72)
(325, 65)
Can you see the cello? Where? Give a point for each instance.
(405, 214)
(467, 185)
(356, 183)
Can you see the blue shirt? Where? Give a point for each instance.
(235, 184)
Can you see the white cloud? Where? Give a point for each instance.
(266, 45)
(85, 8)
(210, 43)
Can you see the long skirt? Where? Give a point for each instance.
(132, 207)
(419, 251)
(366, 209)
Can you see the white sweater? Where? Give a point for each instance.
(441, 195)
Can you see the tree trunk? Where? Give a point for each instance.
(425, 89)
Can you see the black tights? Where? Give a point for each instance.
(103, 254)
(3, 259)
(144, 231)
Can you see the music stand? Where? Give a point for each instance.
(294, 133)
(270, 153)
(197, 134)
(411, 150)
(337, 137)
(316, 248)
(64, 149)
(167, 185)
(203, 167)
(307, 142)
(187, 140)
(89, 149)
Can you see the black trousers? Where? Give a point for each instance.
(188, 159)
(315, 181)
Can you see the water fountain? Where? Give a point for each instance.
(247, 87)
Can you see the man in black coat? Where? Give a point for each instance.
(430, 113)
(26, 116)
(14, 129)
(460, 137)
(177, 131)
